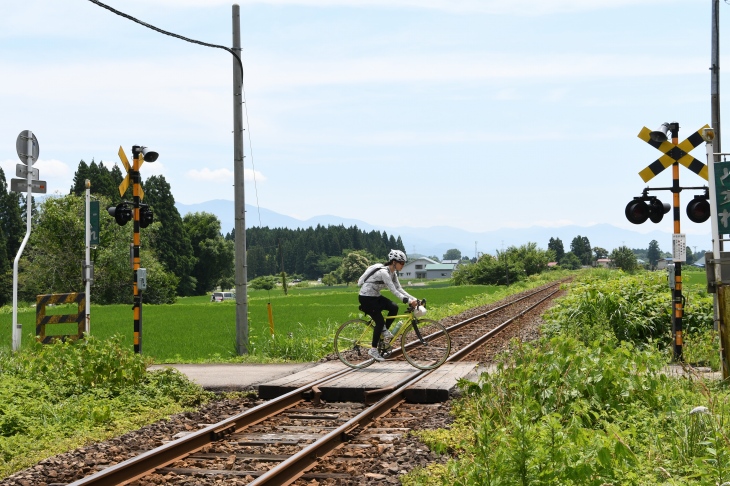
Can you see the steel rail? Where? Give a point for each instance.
(294, 467)
(463, 352)
(497, 309)
(372, 395)
(141, 465)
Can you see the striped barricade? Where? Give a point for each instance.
(41, 319)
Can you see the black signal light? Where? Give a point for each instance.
(121, 213)
(698, 209)
(146, 217)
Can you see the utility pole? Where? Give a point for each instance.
(715, 78)
(238, 196)
(720, 296)
(87, 262)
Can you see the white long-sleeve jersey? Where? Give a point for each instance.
(380, 279)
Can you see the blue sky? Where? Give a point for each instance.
(472, 114)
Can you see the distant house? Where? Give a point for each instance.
(662, 263)
(440, 270)
(603, 262)
(416, 268)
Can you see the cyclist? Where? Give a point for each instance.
(376, 278)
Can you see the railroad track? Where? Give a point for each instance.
(296, 438)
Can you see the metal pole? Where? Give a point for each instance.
(239, 195)
(715, 78)
(137, 306)
(17, 328)
(678, 302)
(714, 146)
(720, 295)
(87, 263)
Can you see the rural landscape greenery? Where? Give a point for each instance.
(587, 403)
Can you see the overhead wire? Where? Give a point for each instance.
(228, 49)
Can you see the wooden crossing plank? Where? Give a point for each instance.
(285, 384)
(352, 387)
(436, 386)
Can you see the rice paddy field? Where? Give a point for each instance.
(195, 330)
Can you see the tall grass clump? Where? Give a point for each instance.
(589, 403)
(559, 412)
(57, 397)
(613, 306)
(300, 343)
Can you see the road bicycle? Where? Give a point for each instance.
(425, 343)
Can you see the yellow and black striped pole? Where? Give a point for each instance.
(136, 192)
(677, 299)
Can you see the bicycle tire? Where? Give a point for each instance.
(431, 349)
(353, 340)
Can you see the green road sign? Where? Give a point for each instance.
(722, 192)
(94, 221)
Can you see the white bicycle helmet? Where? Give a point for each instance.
(397, 255)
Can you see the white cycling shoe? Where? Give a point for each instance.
(373, 353)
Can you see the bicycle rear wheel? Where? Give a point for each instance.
(353, 341)
(426, 344)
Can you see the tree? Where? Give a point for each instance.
(623, 258)
(452, 254)
(570, 261)
(56, 248)
(532, 259)
(262, 283)
(581, 247)
(214, 255)
(556, 245)
(653, 254)
(102, 181)
(172, 243)
(353, 266)
(11, 219)
(489, 270)
(599, 252)
(330, 279)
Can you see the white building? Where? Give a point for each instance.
(426, 268)
(416, 268)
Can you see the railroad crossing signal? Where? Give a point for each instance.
(125, 183)
(142, 216)
(673, 153)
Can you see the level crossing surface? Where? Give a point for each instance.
(274, 380)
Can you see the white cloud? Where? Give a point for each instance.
(53, 169)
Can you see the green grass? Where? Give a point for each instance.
(589, 402)
(197, 330)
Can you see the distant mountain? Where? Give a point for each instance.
(437, 240)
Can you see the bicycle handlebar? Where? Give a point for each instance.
(418, 303)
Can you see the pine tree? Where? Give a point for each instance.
(173, 245)
(11, 219)
(79, 184)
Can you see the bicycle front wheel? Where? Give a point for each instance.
(353, 341)
(426, 344)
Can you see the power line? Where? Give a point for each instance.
(187, 39)
(171, 34)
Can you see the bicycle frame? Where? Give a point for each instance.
(408, 318)
(425, 349)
